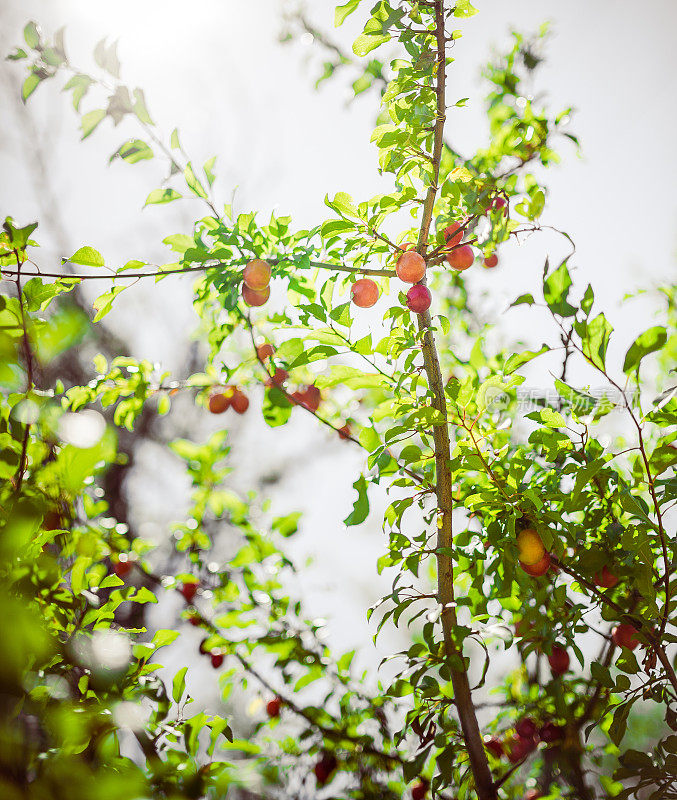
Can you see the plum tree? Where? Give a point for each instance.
(478, 496)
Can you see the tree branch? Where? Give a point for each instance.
(484, 782)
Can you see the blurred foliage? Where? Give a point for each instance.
(84, 710)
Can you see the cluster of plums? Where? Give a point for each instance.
(256, 282)
(221, 400)
(535, 560)
(527, 734)
(410, 268)
(309, 397)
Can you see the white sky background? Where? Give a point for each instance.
(215, 70)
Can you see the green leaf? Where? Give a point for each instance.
(619, 723)
(29, 86)
(179, 684)
(523, 299)
(102, 305)
(107, 58)
(158, 196)
(140, 108)
(277, 407)
(209, 170)
(344, 204)
(32, 35)
(351, 377)
(344, 11)
(61, 331)
(87, 257)
(464, 9)
(361, 506)
(164, 637)
(588, 300)
(663, 457)
(18, 238)
(366, 42)
(548, 417)
(648, 342)
(519, 359)
(556, 290)
(193, 183)
(287, 525)
(133, 151)
(595, 339)
(143, 595)
(90, 121)
(79, 84)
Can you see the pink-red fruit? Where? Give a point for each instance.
(254, 298)
(494, 746)
(219, 402)
(418, 299)
(240, 402)
(217, 660)
(539, 568)
(122, 568)
(419, 790)
(278, 378)
(345, 432)
(558, 660)
(624, 636)
(273, 707)
(519, 748)
(189, 590)
(605, 578)
(461, 258)
(325, 767)
(526, 728)
(256, 275)
(264, 351)
(410, 267)
(308, 397)
(453, 234)
(491, 261)
(498, 203)
(364, 293)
